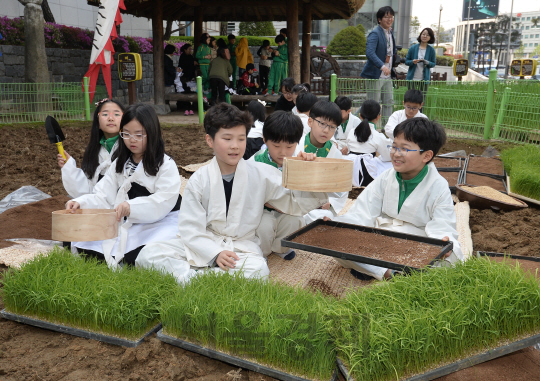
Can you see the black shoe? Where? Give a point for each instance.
(290, 256)
(361, 276)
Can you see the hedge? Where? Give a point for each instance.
(440, 60)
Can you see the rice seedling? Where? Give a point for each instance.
(428, 319)
(65, 289)
(268, 323)
(523, 166)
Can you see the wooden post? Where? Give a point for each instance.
(197, 31)
(159, 58)
(132, 92)
(306, 43)
(292, 40)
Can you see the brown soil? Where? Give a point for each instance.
(371, 245)
(451, 177)
(529, 267)
(512, 232)
(355, 192)
(485, 165)
(473, 179)
(27, 157)
(441, 162)
(473, 146)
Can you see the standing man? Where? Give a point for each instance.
(381, 53)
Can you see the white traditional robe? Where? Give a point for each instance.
(74, 179)
(205, 229)
(428, 212)
(340, 136)
(395, 119)
(150, 217)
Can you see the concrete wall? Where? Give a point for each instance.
(66, 65)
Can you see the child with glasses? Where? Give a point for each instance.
(97, 156)
(324, 119)
(411, 198)
(142, 185)
(412, 103)
(285, 101)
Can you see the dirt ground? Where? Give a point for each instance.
(28, 353)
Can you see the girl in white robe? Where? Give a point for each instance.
(350, 122)
(97, 156)
(142, 185)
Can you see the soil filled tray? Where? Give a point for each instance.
(529, 265)
(452, 177)
(233, 360)
(378, 247)
(77, 331)
(468, 362)
(485, 166)
(474, 179)
(447, 163)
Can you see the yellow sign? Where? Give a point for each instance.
(129, 67)
(461, 67)
(528, 67)
(515, 68)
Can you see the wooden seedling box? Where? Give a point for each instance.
(84, 225)
(320, 175)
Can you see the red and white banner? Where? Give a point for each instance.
(102, 50)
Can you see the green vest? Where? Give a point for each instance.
(108, 143)
(406, 187)
(264, 157)
(320, 152)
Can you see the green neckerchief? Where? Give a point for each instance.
(108, 143)
(321, 152)
(264, 157)
(344, 125)
(406, 187)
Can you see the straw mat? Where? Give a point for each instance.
(193, 167)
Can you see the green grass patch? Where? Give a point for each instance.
(428, 319)
(523, 166)
(273, 324)
(64, 289)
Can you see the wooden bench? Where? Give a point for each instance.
(234, 98)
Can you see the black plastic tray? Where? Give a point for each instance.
(464, 179)
(233, 360)
(521, 257)
(460, 177)
(451, 169)
(76, 331)
(287, 242)
(493, 175)
(461, 364)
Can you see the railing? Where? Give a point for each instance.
(506, 110)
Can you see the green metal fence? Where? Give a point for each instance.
(506, 110)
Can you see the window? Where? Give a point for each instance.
(527, 27)
(528, 19)
(526, 36)
(537, 36)
(536, 44)
(530, 44)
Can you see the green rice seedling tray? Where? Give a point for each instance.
(493, 175)
(233, 360)
(458, 365)
(451, 169)
(445, 246)
(76, 331)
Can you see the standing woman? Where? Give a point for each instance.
(420, 58)
(203, 56)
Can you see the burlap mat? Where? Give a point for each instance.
(193, 167)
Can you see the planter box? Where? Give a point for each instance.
(460, 164)
(494, 175)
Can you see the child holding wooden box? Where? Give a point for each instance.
(411, 198)
(223, 206)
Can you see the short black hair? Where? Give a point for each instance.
(221, 43)
(231, 36)
(343, 102)
(413, 96)
(431, 35)
(203, 38)
(266, 43)
(305, 101)
(224, 115)
(169, 49)
(283, 30)
(257, 111)
(288, 83)
(221, 53)
(383, 12)
(369, 111)
(185, 47)
(429, 135)
(328, 110)
(279, 38)
(283, 126)
(301, 88)
(250, 66)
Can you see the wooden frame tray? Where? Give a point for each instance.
(515, 195)
(483, 202)
(451, 169)
(446, 246)
(319, 175)
(493, 175)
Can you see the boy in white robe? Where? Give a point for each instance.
(324, 119)
(349, 123)
(413, 101)
(223, 204)
(411, 198)
(282, 132)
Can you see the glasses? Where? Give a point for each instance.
(136, 137)
(287, 94)
(325, 126)
(402, 151)
(412, 108)
(388, 17)
(115, 115)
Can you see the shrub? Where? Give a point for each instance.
(361, 29)
(349, 41)
(262, 28)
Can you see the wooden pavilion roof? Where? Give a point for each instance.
(241, 10)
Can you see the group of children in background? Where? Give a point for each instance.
(234, 211)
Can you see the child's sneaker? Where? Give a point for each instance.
(289, 255)
(273, 92)
(361, 276)
(205, 99)
(265, 92)
(190, 112)
(186, 113)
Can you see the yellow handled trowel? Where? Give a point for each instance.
(55, 134)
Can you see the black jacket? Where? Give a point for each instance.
(283, 104)
(170, 71)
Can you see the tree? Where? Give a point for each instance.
(47, 13)
(361, 29)
(349, 41)
(414, 27)
(262, 28)
(535, 21)
(446, 35)
(520, 52)
(169, 30)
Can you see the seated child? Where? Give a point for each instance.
(223, 206)
(255, 138)
(301, 88)
(412, 103)
(350, 122)
(280, 65)
(411, 198)
(363, 144)
(97, 156)
(285, 101)
(282, 132)
(247, 84)
(142, 185)
(304, 103)
(324, 117)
